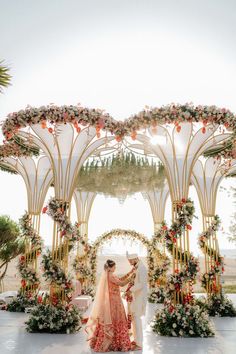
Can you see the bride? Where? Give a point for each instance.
(107, 326)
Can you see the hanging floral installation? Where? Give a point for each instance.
(217, 303)
(120, 175)
(189, 319)
(158, 268)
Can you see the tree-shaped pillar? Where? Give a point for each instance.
(37, 176)
(178, 147)
(207, 176)
(67, 148)
(157, 200)
(83, 202)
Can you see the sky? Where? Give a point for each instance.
(119, 56)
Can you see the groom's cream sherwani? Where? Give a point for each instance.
(138, 305)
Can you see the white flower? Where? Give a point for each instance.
(174, 325)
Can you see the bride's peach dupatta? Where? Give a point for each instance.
(101, 313)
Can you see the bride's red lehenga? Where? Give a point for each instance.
(113, 336)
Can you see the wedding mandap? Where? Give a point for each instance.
(159, 152)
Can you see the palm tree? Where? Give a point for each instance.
(5, 77)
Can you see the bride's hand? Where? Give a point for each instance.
(132, 277)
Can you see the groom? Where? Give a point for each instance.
(139, 295)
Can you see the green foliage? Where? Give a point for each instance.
(5, 77)
(11, 243)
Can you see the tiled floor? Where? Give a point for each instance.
(14, 338)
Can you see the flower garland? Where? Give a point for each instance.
(29, 277)
(176, 114)
(175, 283)
(54, 273)
(209, 278)
(16, 149)
(30, 234)
(156, 271)
(217, 303)
(56, 209)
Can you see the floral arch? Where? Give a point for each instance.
(155, 259)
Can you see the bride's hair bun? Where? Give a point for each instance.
(109, 264)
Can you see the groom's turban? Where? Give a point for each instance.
(131, 256)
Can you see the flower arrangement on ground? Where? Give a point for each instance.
(62, 318)
(217, 305)
(183, 321)
(21, 302)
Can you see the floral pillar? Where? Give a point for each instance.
(84, 202)
(206, 178)
(37, 178)
(157, 201)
